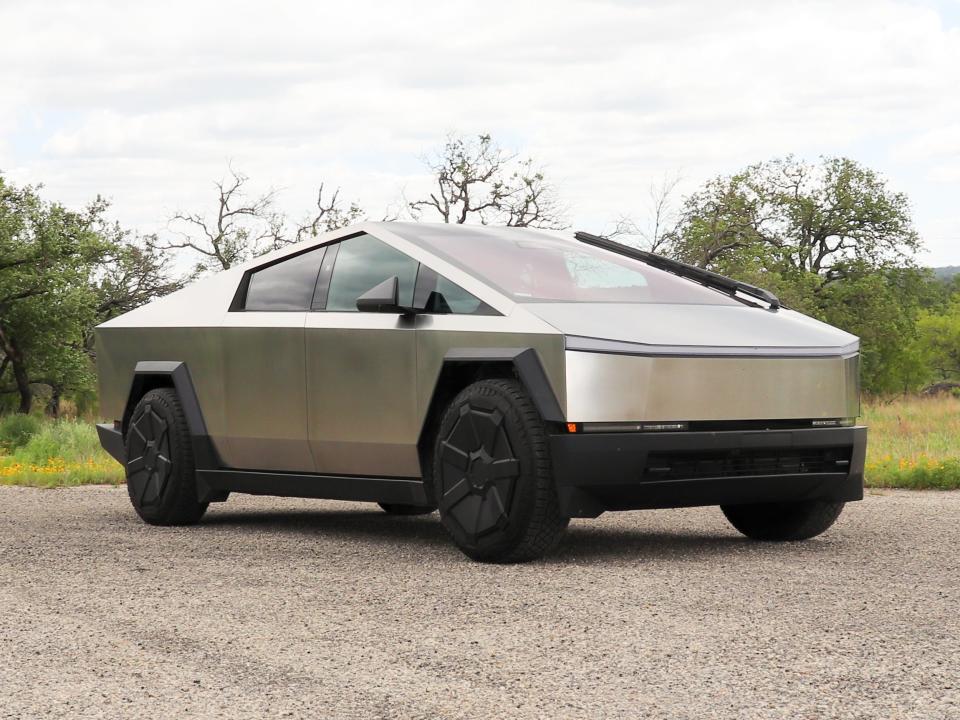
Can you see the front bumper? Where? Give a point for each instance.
(596, 472)
(111, 440)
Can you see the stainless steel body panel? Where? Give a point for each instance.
(696, 329)
(603, 387)
(266, 410)
(119, 349)
(437, 334)
(361, 392)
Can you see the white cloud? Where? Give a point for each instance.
(145, 103)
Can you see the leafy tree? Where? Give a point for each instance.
(48, 255)
(132, 273)
(477, 180)
(831, 238)
(939, 341)
(832, 219)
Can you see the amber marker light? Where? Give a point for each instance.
(571, 427)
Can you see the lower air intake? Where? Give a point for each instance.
(744, 463)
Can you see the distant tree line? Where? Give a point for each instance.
(830, 238)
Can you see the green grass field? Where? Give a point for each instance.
(42, 453)
(913, 443)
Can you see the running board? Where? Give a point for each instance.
(405, 491)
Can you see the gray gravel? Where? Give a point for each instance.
(299, 608)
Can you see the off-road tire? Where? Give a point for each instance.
(401, 509)
(492, 477)
(783, 521)
(161, 476)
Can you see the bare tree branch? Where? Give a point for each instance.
(659, 229)
(235, 234)
(477, 180)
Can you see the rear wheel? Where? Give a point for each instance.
(399, 509)
(161, 477)
(491, 475)
(783, 521)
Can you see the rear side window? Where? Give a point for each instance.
(287, 285)
(363, 262)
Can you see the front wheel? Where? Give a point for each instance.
(783, 521)
(491, 475)
(161, 477)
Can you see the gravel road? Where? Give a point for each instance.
(304, 608)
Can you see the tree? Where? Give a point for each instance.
(477, 180)
(48, 255)
(660, 228)
(829, 219)
(830, 238)
(939, 341)
(245, 226)
(133, 272)
(329, 215)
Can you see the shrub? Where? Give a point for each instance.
(16, 431)
(63, 452)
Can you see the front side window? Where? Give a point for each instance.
(437, 294)
(362, 263)
(285, 286)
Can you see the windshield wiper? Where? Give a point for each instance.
(691, 272)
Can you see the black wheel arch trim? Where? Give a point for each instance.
(176, 372)
(526, 361)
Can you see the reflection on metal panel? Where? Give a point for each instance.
(263, 360)
(737, 328)
(120, 348)
(361, 390)
(437, 334)
(621, 388)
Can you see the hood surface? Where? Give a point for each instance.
(691, 329)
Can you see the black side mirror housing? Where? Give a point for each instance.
(381, 298)
(384, 298)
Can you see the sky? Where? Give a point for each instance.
(147, 103)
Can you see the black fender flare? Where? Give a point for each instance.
(151, 374)
(525, 363)
(529, 369)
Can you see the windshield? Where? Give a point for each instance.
(535, 267)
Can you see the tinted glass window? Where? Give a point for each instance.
(534, 267)
(288, 285)
(363, 262)
(437, 294)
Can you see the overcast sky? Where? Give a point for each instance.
(146, 102)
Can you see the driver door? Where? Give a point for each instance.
(361, 368)
(264, 369)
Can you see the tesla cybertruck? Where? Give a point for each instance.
(511, 378)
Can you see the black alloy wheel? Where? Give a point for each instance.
(491, 475)
(161, 478)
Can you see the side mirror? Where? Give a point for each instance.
(381, 298)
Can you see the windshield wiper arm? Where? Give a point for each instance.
(691, 272)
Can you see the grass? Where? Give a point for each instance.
(43, 453)
(913, 443)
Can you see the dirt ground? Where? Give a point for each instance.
(304, 608)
